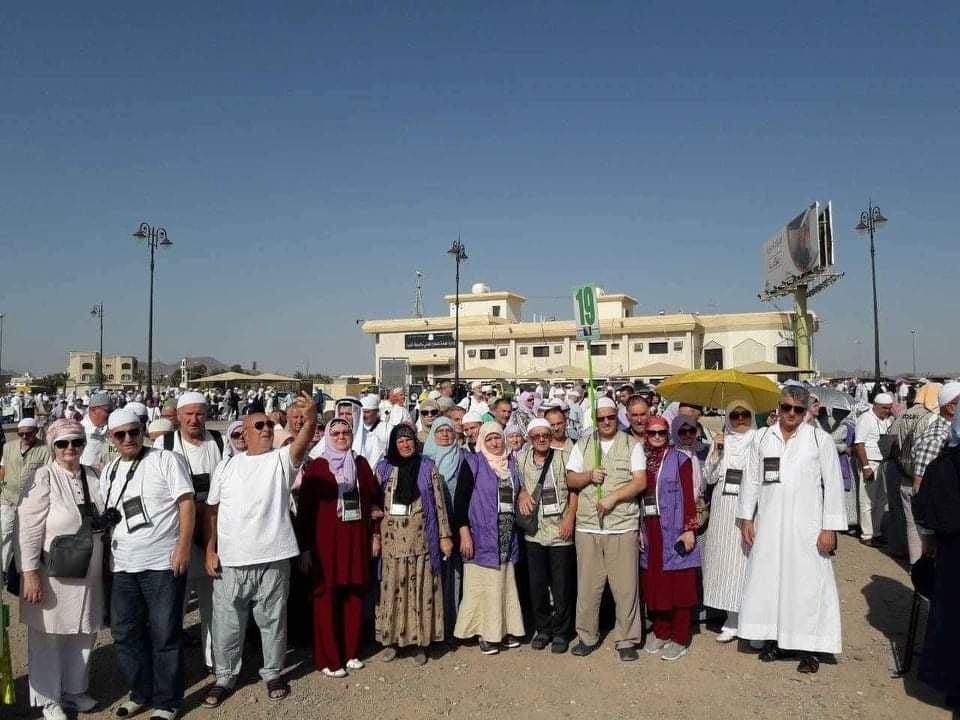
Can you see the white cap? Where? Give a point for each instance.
(121, 417)
(138, 407)
(27, 423)
(606, 402)
(948, 393)
(537, 423)
(486, 388)
(472, 417)
(160, 425)
(191, 398)
(370, 402)
(476, 385)
(883, 399)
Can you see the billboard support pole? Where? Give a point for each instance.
(801, 327)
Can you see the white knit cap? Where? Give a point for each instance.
(121, 417)
(948, 393)
(537, 423)
(26, 423)
(370, 402)
(883, 399)
(191, 398)
(472, 417)
(606, 402)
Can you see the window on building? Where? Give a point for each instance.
(580, 347)
(638, 347)
(598, 349)
(557, 349)
(125, 366)
(614, 346)
(84, 378)
(86, 366)
(376, 339)
(127, 377)
(524, 350)
(471, 353)
(787, 355)
(488, 354)
(658, 348)
(503, 351)
(541, 350)
(496, 311)
(677, 345)
(713, 359)
(111, 377)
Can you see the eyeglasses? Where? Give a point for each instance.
(605, 418)
(658, 433)
(236, 435)
(120, 435)
(342, 433)
(28, 434)
(687, 431)
(788, 408)
(429, 413)
(739, 415)
(539, 437)
(260, 424)
(75, 443)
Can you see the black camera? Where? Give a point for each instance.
(110, 518)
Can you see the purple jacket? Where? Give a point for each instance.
(484, 510)
(670, 502)
(430, 524)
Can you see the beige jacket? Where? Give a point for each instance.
(48, 508)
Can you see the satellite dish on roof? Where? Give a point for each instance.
(479, 288)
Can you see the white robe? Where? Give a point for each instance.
(789, 593)
(372, 444)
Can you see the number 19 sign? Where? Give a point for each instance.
(585, 313)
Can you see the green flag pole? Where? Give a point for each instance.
(596, 435)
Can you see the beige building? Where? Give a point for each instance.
(496, 343)
(119, 371)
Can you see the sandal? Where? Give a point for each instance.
(215, 695)
(128, 708)
(161, 714)
(277, 689)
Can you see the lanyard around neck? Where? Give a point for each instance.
(130, 474)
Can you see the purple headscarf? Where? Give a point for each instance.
(341, 462)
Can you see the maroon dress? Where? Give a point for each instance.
(341, 574)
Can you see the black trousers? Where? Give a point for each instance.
(552, 573)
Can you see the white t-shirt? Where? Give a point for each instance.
(869, 430)
(96, 441)
(201, 459)
(253, 520)
(638, 458)
(160, 480)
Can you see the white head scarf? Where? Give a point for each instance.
(736, 444)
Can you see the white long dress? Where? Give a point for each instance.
(790, 594)
(724, 554)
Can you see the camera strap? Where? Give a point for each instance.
(130, 474)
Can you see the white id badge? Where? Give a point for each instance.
(135, 514)
(731, 482)
(771, 470)
(350, 507)
(550, 502)
(650, 508)
(399, 509)
(506, 499)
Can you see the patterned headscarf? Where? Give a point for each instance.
(64, 429)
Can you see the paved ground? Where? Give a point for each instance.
(713, 681)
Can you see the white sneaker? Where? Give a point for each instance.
(53, 711)
(338, 673)
(726, 636)
(673, 651)
(355, 664)
(654, 644)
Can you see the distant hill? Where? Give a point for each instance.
(213, 365)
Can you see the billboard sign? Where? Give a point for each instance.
(428, 341)
(394, 372)
(803, 247)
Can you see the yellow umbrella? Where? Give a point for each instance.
(717, 388)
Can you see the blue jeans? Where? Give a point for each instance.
(147, 626)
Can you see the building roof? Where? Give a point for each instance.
(492, 295)
(620, 297)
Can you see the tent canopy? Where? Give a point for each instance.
(564, 372)
(235, 377)
(658, 369)
(765, 367)
(478, 373)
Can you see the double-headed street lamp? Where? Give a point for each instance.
(1, 353)
(97, 312)
(155, 237)
(870, 221)
(459, 253)
(913, 336)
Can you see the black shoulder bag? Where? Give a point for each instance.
(531, 523)
(69, 555)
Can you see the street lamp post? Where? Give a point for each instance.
(913, 335)
(155, 237)
(870, 221)
(1, 352)
(459, 253)
(97, 312)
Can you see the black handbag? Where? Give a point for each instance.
(70, 555)
(531, 523)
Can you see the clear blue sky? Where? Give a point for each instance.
(307, 159)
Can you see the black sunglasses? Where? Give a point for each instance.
(236, 435)
(75, 443)
(119, 435)
(739, 415)
(28, 434)
(259, 424)
(659, 433)
(687, 431)
(787, 407)
(604, 418)
(429, 413)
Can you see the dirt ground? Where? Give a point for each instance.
(714, 681)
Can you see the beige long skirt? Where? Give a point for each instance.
(491, 606)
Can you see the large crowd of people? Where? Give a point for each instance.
(492, 521)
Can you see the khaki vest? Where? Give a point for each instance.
(19, 469)
(626, 515)
(548, 528)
